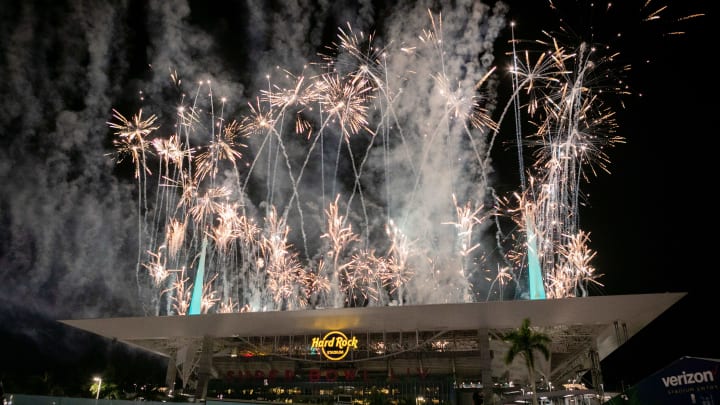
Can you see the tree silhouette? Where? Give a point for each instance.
(525, 341)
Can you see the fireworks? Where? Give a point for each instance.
(262, 206)
(131, 136)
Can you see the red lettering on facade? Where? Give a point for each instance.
(316, 375)
(349, 374)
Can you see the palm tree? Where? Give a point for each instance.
(524, 341)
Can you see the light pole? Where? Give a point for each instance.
(97, 395)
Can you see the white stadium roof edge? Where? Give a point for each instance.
(577, 326)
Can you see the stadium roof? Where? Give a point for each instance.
(574, 324)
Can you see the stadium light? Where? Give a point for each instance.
(97, 395)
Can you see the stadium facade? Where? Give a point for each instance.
(405, 355)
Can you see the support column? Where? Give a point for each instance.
(171, 374)
(485, 365)
(596, 372)
(205, 367)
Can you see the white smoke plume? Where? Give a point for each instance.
(68, 213)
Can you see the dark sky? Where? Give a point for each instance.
(649, 217)
(65, 250)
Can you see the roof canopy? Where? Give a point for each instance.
(602, 323)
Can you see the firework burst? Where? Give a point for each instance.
(396, 143)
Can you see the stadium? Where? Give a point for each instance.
(439, 353)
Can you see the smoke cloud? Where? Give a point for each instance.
(69, 213)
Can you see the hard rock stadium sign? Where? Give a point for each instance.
(334, 345)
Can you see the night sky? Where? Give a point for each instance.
(67, 248)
